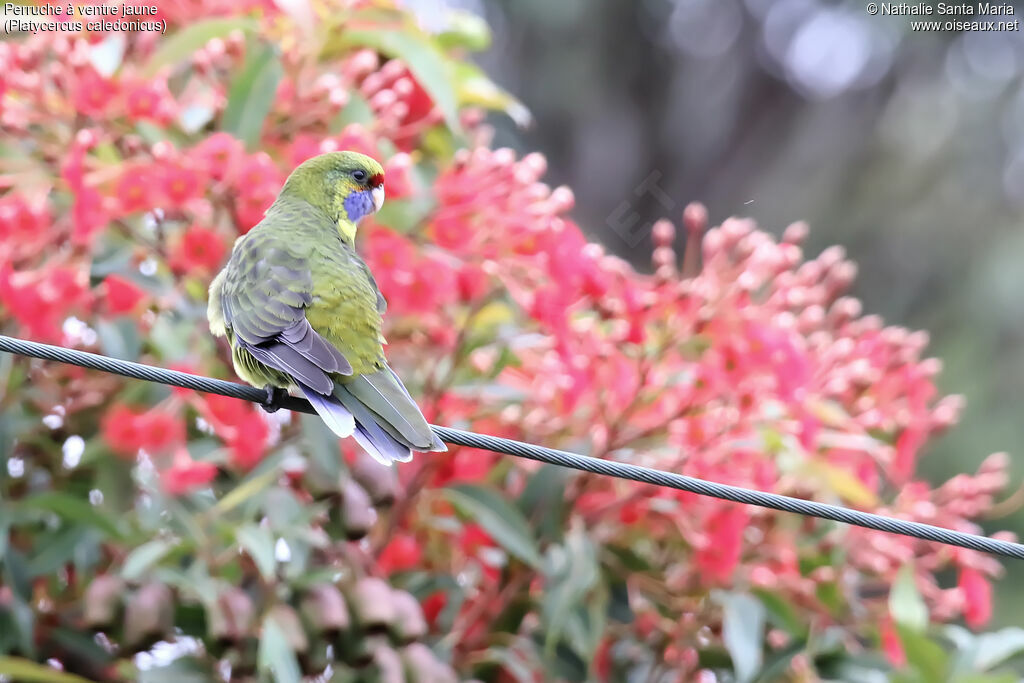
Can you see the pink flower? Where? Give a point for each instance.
(400, 554)
(186, 475)
(977, 595)
(200, 250)
(122, 295)
(219, 156)
(91, 93)
(718, 558)
(136, 189)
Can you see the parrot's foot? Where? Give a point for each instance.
(272, 403)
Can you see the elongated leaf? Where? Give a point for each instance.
(259, 543)
(905, 602)
(742, 631)
(924, 654)
(997, 647)
(73, 509)
(275, 655)
(428, 64)
(25, 671)
(500, 519)
(252, 95)
(189, 39)
(243, 492)
(145, 556)
(573, 571)
(473, 87)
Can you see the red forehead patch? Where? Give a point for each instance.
(377, 180)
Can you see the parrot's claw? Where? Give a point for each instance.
(272, 403)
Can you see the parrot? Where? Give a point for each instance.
(302, 312)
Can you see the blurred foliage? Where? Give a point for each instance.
(153, 534)
(904, 146)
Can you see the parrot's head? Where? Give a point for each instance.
(347, 185)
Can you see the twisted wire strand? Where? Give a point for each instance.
(520, 449)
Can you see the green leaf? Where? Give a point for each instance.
(465, 30)
(325, 460)
(275, 655)
(782, 614)
(24, 671)
(742, 631)
(73, 509)
(543, 500)
(924, 654)
(140, 560)
(427, 63)
(474, 88)
(185, 42)
(572, 571)
(72, 542)
(905, 602)
(500, 519)
(243, 492)
(997, 647)
(252, 94)
(259, 543)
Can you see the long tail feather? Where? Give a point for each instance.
(385, 395)
(333, 412)
(381, 446)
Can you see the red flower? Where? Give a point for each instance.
(180, 184)
(88, 215)
(250, 205)
(40, 300)
(241, 426)
(123, 295)
(135, 189)
(892, 645)
(473, 538)
(200, 250)
(401, 553)
(224, 412)
(720, 555)
(219, 155)
(248, 444)
(91, 93)
(432, 606)
(977, 594)
(149, 100)
(186, 475)
(161, 431)
(122, 429)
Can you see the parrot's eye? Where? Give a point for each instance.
(360, 176)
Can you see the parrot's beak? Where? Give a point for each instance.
(378, 197)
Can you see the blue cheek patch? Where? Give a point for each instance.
(358, 204)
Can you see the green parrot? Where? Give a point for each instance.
(301, 309)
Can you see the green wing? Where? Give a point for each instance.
(263, 302)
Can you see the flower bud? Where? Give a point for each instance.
(148, 615)
(324, 609)
(357, 513)
(388, 664)
(695, 218)
(408, 624)
(288, 620)
(102, 600)
(423, 666)
(381, 483)
(232, 617)
(372, 604)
